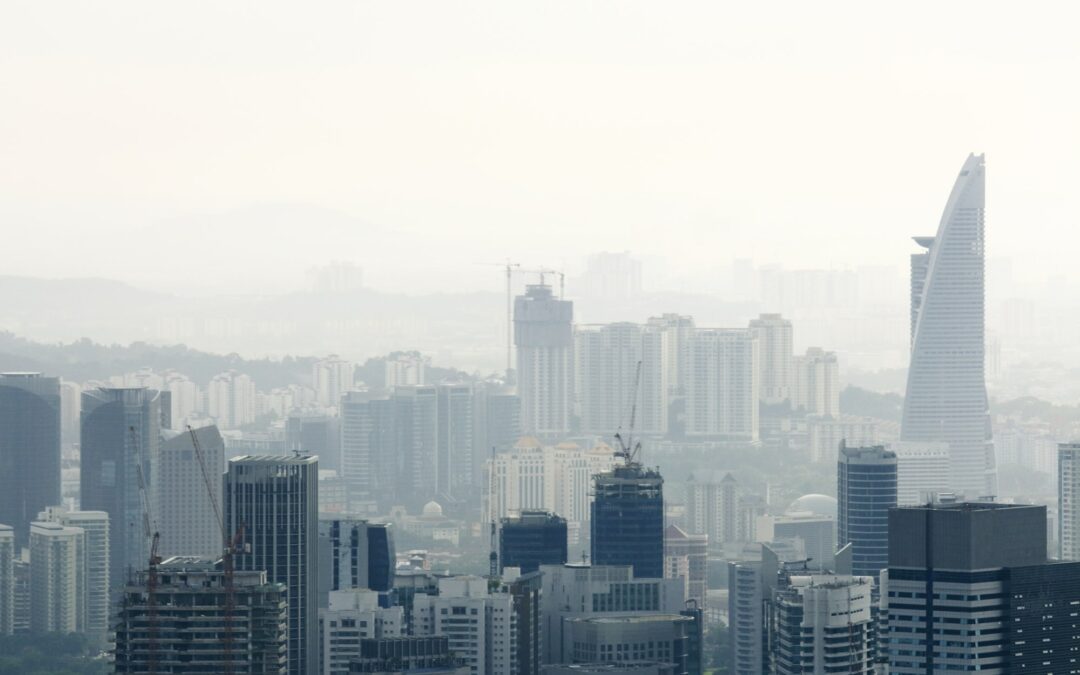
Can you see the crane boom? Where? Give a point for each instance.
(627, 448)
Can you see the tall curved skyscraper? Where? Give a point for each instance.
(946, 388)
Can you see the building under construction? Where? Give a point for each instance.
(192, 623)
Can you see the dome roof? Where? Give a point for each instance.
(432, 510)
(819, 505)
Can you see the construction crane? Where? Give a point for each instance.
(229, 546)
(153, 538)
(510, 269)
(628, 450)
(493, 555)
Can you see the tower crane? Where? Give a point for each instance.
(628, 450)
(152, 540)
(510, 269)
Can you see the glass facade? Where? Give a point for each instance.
(535, 538)
(866, 490)
(628, 520)
(29, 449)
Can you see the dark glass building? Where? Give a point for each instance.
(532, 539)
(111, 456)
(29, 449)
(355, 554)
(628, 520)
(865, 491)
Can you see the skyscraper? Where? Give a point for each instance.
(815, 383)
(532, 539)
(366, 428)
(355, 554)
(946, 386)
(606, 359)
(274, 501)
(544, 339)
(95, 527)
(454, 447)
(822, 623)
(29, 448)
(865, 491)
(775, 340)
(186, 518)
(109, 468)
(57, 578)
(722, 385)
(628, 519)
(7, 579)
(1068, 506)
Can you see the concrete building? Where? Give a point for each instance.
(816, 383)
(355, 554)
(722, 385)
(637, 638)
(7, 580)
(976, 575)
(606, 359)
(497, 419)
(274, 501)
(627, 523)
(750, 587)
(112, 456)
(57, 578)
(191, 606)
(613, 277)
(776, 357)
(1069, 501)
(686, 558)
(714, 507)
(186, 516)
(331, 378)
(865, 490)
(95, 527)
(405, 369)
(543, 337)
(675, 333)
(823, 623)
(816, 532)
(315, 434)
(455, 446)
(479, 624)
(824, 434)
(184, 397)
(532, 539)
(29, 448)
(946, 388)
(351, 616)
(231, 399)
(922, 471)
(414, 654)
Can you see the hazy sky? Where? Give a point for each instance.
(153, 142)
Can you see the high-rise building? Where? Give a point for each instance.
(332, 377)
(29, 448)
(686, 557)
(413, 455)
(612, 276)
(194, 606)
(713, 505)
(7, 580)
(816, 532)
(405, 369)
(722, 385)
(57, 578)
(606, 362)
(922, 471)
(627, 524)
(121, 433)
(351, 616)
(497, 419)
(1069, 501)
(454, 452)
(355, 554)
(976, 575)
(186, 518)
(532, 539)
(775, 357)
(366, 429)
(823, 623)
(184, 397)
(274, 502)
(946, 386)
(480, 624)
(815, 383)
(95, 527)
(543, 336)
(824, 433)
(750, 588)
(865, 491)
(70, 411)
(313, 434)
(230, 399)
(676, 331)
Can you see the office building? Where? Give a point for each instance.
(315, 434)
(722, 385)
(946, 386)
(750, 588)
(532, 539)
(57, 578)
(355, 554)
(816, 383)
(193, 608)
(627, 524)
(366, 428)
(112, 455)
(1069, 501)
(186, 516)
(454, 459)
(497, 420)
(95, 527)
(7, 580)
(608, 384)
(430, 655)
(29, 448)
(576, 591)
(865, 490)
(823, 623)
(816, 532)
(922, 471)
(331, 378)
(275, 501)
(976, 574)
(686, 558)
(70, 412)
(479, 624)
(637, 638)
(231, 399)
(525, 592)
(775, 357)
(543, 337)
(350, 617)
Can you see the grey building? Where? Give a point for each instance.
(315, 435)
(866, 489)
(823, 623)
(455, 446)
(186, 518)
(7, 580)
(420, 654)
(355, 554)
(497, 416)
(818, 535)
(29, 449)
(543, 336)
(109, 471)
(192, 612)
(635, 638)
(532, 539)
(1068, 505)
(95, 527)
(274, 501)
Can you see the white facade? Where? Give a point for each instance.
(1068, 506)
(186, 517)
(946, 387)
(713, 508)
(722, 384)
(406, 369)
(57, 578)
(675, 331)
(7, 580)
(922, 470)
(606, 360)
(825, 433)
(332, 377)
(543, 336)
(231, 399)
(481, 626)
(816, 383)
(185, 398)
(824, 624)
(353, 615)
(95, 527)
(776, 348)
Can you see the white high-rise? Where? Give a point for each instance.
(230, 400)
(1068, 506)
(543, 336)
(823, 624)
(350, 616)
(922, 471)
(481, 626)
(95, 527)
(332, 377)
(606, 359)
(946, 387)
(186, 517)
(722, 384)
(815, 383)
(775, 358)
(57, 578)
